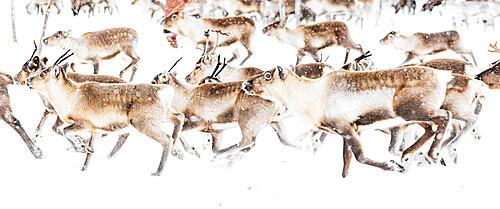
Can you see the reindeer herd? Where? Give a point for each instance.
(442, 96)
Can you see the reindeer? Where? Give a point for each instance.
(314, 37)
(6, 114)
(39, 6)
(420, 44)
(33, 66)
(77, 5)
(341, 101)
(96, 108)
(210, 105)
(491, 76)
(150, 5)
(99, 45)
(238, 29)
(430, 4)
(411, 4)
(332, 7)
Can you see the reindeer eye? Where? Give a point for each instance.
(174, 16)
(267, 76)
(198, 66)
(391, 35)
(42, 75)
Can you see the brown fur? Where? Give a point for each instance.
(6, 114)
(491, 76)
(453, 65)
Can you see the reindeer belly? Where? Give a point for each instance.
(364, 107)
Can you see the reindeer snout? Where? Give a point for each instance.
(188, 79)
(45, 41)
(479, 76)
(28, 82)
(16, 81)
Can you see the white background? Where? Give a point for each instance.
(271, 175)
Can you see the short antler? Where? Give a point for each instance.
(222, 68)
(494, 48)
(36, 48)
(363, 56)
(62, 57)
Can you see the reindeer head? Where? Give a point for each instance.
(50, 77)
(491, 76)
(206, 61)
(267, 82)
(213, 78)
(171, 20)
(164, 77)
(57, 39)
(390, 38)
(272, 28)
(30, 67)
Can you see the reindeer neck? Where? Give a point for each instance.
(182, 90)
(190, 27)
(298, 93)
(290, 36)
(60, 91)
(406, 43)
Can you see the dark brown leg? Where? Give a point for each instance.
(347, 159)
(121, 140)
(6, 115)
(93, 138)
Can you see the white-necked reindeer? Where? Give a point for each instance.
(33, 66)
(41, 5)
(95, 108)
(421, 44)
(239, 29)
(6, 114)
(314, 37)
(341, 101)
(99, 45)
(209, 105)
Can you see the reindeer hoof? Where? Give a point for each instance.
(178, 153)
(155, 173)
(37, 152)
(442, 162)
(393, 166)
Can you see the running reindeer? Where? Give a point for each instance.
(99, 45)
(95, 108)
(35, 65)
(208, 107)
(40, 5)
(341, 101)
(314, 37)
(77, 5)
(238, 29)
(6, 114)
(421, 44)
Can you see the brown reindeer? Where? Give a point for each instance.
(420, 44)
(401, 4)
(93, 107)
(239, 29)
(6, 114)
(99, 45)
(341, 101)
(491, 76)
(314, 37)
(210, 105)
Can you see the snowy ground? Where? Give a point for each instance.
(271, 175)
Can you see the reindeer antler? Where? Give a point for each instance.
(174, 64)
(494, 48)
(363, 56)
(62, 58)
(36, 48)
(222, 68)
(217, 38)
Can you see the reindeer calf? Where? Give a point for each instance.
(99, 45)
(314, 37)
(420, 44)
(239, 29)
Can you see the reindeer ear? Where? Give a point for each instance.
(281, 72)
(55, 72)
(44, 60)
(65, 34)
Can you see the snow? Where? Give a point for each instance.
(270, 175)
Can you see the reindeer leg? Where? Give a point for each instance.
(72, 130)
(93, 137)
(396, 139)
(347, 159)
(452, 150)
(350, 136)
(246, 43)
(442, 123)
(121, 140)
(280, 131)
(6, 115)
(57, 125)
(131, 53)
(96, 67)
(409, 55)
(38, 132)
(300, 55)
(347, 50)
(154, 131)
(215, 142)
